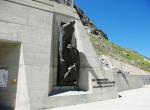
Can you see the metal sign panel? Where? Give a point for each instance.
(3, 77)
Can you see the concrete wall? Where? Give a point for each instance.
(35, 26)
(129, 82)
(146, 79)
(89, 69)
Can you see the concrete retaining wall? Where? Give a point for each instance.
(128, 82)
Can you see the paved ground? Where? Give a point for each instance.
(138, 99)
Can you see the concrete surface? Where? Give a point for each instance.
(130, 81)
(35, 25)
(137, 99)
(22, 95)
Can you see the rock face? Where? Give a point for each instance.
(91, 28)
(104, 62)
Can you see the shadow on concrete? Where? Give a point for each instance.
(124, 75)
(9, 59)
(63, 89)
(87, 65)
(88, 69)
(3, 107)
(125, 78)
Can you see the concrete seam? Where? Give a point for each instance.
(38, 8)
(43, 3)
(23, 24)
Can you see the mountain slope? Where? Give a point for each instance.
(105, 47)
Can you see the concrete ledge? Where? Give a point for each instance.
(49, 7)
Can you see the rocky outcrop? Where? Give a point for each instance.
(91, 28)
(119, 67)
(104, 62)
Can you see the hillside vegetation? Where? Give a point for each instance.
(105, 47)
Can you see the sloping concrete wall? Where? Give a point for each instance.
(22, 100)
(129, 82)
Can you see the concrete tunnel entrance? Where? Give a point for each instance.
(9, 66)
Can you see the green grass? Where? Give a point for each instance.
(105, 47)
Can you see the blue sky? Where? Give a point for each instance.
(126, 22)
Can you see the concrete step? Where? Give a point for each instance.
(62, 89)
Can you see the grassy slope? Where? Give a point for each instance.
(105, 47)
